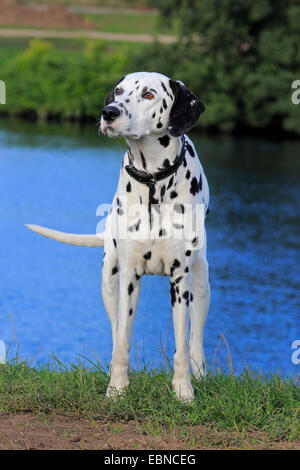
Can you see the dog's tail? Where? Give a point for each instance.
(70, 238)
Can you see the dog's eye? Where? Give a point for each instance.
(148, 95)
(118, 91)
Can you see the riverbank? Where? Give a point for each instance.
(55, 406)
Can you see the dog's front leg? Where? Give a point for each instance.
(129, 293)
(180, 297)
(200, 298)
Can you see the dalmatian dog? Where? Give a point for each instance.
(152, 226)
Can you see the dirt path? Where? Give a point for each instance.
(87, 34)
(28, 431)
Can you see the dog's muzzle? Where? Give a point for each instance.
(110, 113)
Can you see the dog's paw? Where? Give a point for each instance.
(198, 368)
(117, 388)
(183, 390)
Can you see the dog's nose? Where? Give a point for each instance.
(110, 113)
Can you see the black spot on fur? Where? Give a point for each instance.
(178, 226)
(173, 195)
(185, 295)
(188, 174)
(163, 85)
(188, 253)
(159, 125)
(179, 208)
(165, 104)
(165, 140)
(114, 270)
(153, 115)
(195, 241)
(137, 227)
(143, 160)
(162, 232)
(162, 192)
(194, 186)
(130, 312)
(128, 187)
(173, 294)
(148, 255)
(170, 182)
(130, 288)
(200, 182)
(115, 242)
(176, 264)
(190, 150)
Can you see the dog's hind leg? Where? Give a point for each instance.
(199, 305)
(129, 293)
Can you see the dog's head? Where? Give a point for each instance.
(149, 103)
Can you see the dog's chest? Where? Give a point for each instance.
(155, 226)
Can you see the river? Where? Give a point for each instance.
(50, 299)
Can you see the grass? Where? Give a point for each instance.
(143, 24)
(249, 402)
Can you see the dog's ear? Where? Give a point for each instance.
(111, 96)
(185, 110)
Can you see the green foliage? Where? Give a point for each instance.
(250, 401)
(46, 82)
(239, 56)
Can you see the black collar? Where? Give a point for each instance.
(151, 178)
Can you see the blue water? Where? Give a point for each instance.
(50, 299)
